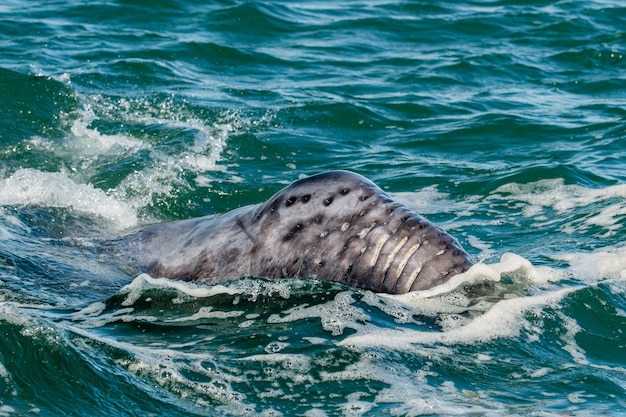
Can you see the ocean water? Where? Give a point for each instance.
(502, 121)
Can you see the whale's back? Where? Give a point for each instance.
(336, 226)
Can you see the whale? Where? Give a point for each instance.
(335, 226)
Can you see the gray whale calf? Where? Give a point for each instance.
(335, 226)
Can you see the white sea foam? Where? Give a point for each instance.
(173, 169)
(168, 168)
(207, 313)
(600, 264)
(143, 282)
(554, 194)
(31, 325)
(504, 319)
(57, 189)
(335, 315)
(7, 410)
(210, 136)
(426, 200)
(89, 141)
(430, 200)
(12, 313)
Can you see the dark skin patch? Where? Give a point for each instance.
(154, 266)
(290, 201)
(294, 230)
(306, 198)
(328, 201)
(344, 191)
(271, 209)
(275, 205)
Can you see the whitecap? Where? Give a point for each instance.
(536, 197)
(600, 264)
(56, 189)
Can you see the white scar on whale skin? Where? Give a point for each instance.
(335, 226)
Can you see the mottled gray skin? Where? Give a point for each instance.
(335, 226)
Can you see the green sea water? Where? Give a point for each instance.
(504, 122)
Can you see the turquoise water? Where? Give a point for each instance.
(502, 121)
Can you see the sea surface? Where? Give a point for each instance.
(503, 121)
